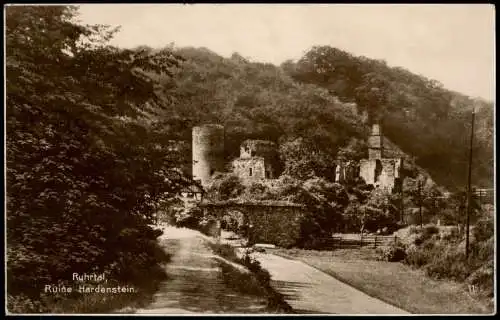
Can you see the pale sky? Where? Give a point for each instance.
(453, 44)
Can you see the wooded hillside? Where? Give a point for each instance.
(326, 98)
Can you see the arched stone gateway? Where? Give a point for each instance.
(273, 222)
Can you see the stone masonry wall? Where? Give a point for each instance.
(276, 225)
(265, 149)
(273, 224)
(381, 172)
(249, 169)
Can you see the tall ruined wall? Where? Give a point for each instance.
(257, 148)
(382, 173)
(250, 169)
(375, 143)
(208, 152)
(367, 170)
(265, 149)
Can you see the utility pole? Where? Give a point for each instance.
(402, 202)
(468, 194)
(420, 203)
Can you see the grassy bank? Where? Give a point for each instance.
(256, 282)
(123, 302)
(394, 283)
(139, 294)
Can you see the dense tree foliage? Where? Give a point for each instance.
(409, 106)
(257, 101)
(318, 110)
(86, 163)
(327, 98)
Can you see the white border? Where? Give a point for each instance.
(204, 314)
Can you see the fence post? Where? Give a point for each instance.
(361, 242)
(375, 242)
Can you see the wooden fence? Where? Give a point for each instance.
(373, 241)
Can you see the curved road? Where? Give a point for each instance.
(308, 290)
(195, 284)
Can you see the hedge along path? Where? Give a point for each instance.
(308, 290)
(194, 283)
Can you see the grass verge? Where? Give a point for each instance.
(391, 282)
(257, 282)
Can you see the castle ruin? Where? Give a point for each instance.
(259, 159)
(384, 173)
(208, 152)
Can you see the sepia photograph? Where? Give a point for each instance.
(249, 159)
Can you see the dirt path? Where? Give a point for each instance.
(308, 290)
(195, 284)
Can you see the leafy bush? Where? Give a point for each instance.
(23, 304)
(451, 236)
(393, 253)
(448, 264)
(484, 228)
(189, 217)
(417, 257)
(413, 230)
(483, 278)
(208, 226)
(258, 282)
(446, 260)
(225, 250)
(429, 231)
(225, 187)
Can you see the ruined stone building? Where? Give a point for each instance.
(208, 152)
(259, 160)
(378, 171)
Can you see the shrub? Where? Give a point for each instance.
(429, 231)
(417, 257)
(224, 187)
(207, 226)
(451, 236)
(189, 217)
(418, 240)
(413, 230)
(393, 253)
(23, 304)
(483, 278)
(226, 251)
(448, 264)
(258, 282)
(484, 228)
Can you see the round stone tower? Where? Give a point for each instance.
(208, 152)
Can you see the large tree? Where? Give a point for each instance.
(85, 164)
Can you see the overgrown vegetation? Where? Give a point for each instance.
(316, 111)
(444, 257)
(258, 282)
(319, 104)
(86, 162)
